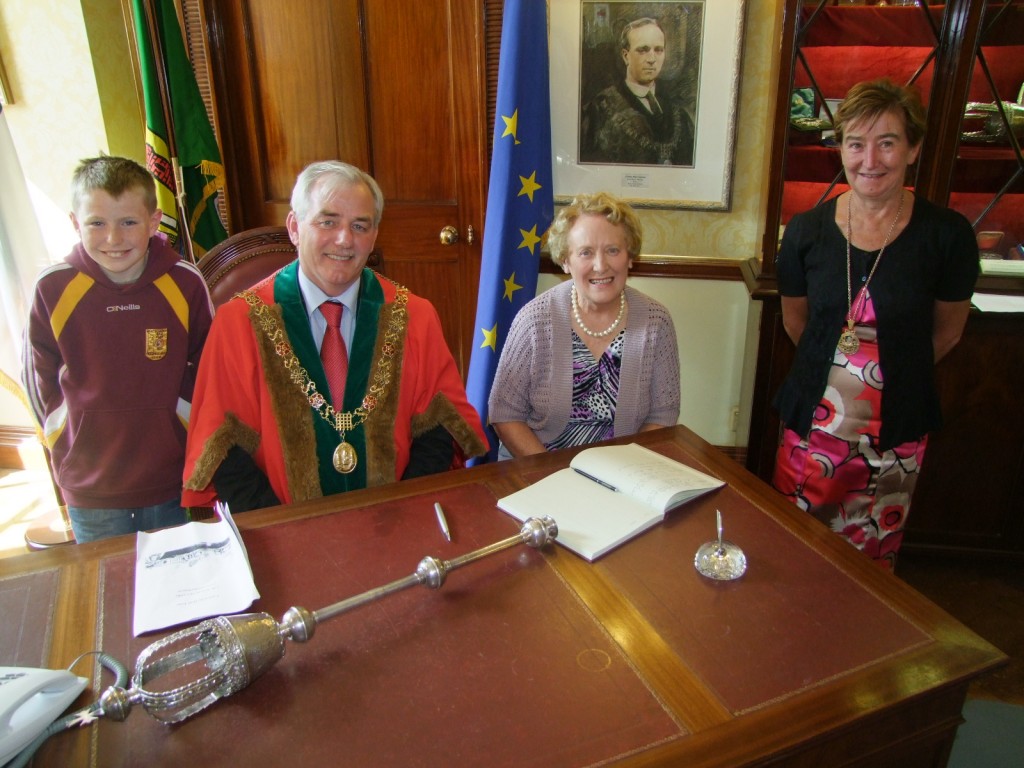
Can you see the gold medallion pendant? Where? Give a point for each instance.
(848, 342)
(345, 458)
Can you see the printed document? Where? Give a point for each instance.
(191, 572)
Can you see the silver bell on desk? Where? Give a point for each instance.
(719, 559)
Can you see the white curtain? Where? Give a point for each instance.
(22, 253)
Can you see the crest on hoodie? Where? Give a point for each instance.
(156, 343)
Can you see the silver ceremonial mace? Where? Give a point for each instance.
(237, 649)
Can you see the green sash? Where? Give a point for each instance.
(360, 356)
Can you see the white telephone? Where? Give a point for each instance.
(31, 699)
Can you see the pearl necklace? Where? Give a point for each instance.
(606, 331)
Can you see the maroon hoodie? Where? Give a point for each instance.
(109, 371)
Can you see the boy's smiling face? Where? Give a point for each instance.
(115, 232)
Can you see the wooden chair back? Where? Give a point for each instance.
(244, 259)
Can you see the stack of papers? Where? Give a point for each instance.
(191, 572)
(995, 302)
(1012, 267)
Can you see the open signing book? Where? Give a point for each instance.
(608, 495)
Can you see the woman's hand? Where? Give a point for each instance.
(518, 438)
(651, 426)
(794, 316)
(950, 317)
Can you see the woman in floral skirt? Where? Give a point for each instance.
(876, 286)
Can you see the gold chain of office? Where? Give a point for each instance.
(345, 457)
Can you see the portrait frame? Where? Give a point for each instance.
(574, 34)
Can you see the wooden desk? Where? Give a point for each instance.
(815, 657)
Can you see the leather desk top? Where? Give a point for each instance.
(534, 658)
(26, 605)
(415, 674)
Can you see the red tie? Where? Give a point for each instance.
(333, 354)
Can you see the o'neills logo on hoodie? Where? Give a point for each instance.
(123, 307)
(156, 343)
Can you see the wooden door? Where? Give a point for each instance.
(394, 87)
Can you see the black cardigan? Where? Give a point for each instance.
(934, 258)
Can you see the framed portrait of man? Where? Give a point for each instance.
(639, 82)
(643, 99)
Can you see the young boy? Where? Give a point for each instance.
(111, 352)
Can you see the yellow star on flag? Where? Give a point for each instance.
(530, 186)
(511, 126)
(530, 238)
(510, 286)
(490, 338)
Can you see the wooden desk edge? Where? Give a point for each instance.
(956, 656)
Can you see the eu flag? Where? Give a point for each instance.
(520, 204)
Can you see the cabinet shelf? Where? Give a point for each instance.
(981, 168)
(838, 46)
(896, 42)
(838, 26)
(869, 25)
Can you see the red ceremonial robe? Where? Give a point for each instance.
(245, 395)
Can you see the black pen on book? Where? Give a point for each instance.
(587, 475)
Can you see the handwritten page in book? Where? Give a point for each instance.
(608, 495)
(644, 475)
(591, 518)
(190, 572)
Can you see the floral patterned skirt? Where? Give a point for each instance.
(837, 472)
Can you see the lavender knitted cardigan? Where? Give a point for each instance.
(533, 382)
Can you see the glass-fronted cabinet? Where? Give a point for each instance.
(967, 60)
(966, 57)
(987, 183)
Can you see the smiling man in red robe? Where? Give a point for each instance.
(265, 428)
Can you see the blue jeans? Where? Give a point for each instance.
(95, 524)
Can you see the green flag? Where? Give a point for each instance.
(196, 148)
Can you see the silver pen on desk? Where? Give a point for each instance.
(442, 520)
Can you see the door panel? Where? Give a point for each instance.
(294, 123)
(391, 86)
(410, 94)
(284, 97)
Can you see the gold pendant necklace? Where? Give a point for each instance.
(848, 342)
(345, 457)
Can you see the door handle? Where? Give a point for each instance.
(449, 235)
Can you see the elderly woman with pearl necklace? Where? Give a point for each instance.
(591, 358)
